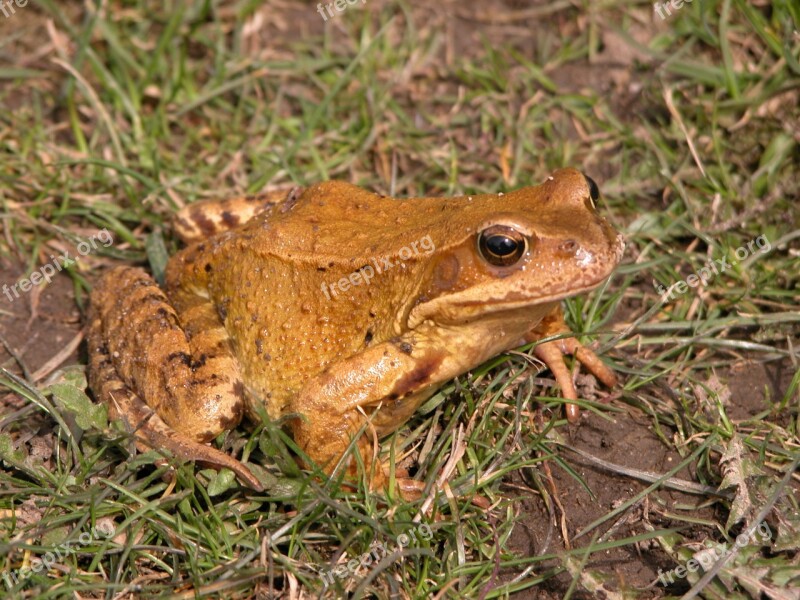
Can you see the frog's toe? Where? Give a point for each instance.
(552, 354)
(592, 362)
(409, 489)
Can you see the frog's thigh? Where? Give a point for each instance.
(191, 381)
(201, 220)
(331, 406)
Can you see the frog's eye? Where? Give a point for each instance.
(594, 190)
(501, 246)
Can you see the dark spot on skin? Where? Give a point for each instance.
(361, 268)
(152, 297)
(200, 362)
(368, 337)
(238, 389)
(259, 346)
(392, 396)
(230, 219)
(220, 348)
(203, 223)
(267, 357)
(208, 267)
(321, 269)
(222, 308)
(403, 346)
(371, 315)
(417, 378)
(205, 382)
(228, 423)
(182, 357)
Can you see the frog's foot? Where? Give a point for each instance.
(174, 381)
(201, 220)
(552, 354)
(409, 489)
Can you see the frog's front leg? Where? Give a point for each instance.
(380, 387)
(169, 374)
(552, 354)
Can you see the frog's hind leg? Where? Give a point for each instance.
(175, 390)
(201, 220)
(149, 429)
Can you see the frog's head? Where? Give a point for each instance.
(509, 253)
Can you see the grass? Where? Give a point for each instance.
(117, 116)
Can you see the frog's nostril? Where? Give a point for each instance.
(570, 246)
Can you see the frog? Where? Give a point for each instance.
(338, 312)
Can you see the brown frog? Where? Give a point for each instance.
(341, 307)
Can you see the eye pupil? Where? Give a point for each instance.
(501, 246)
